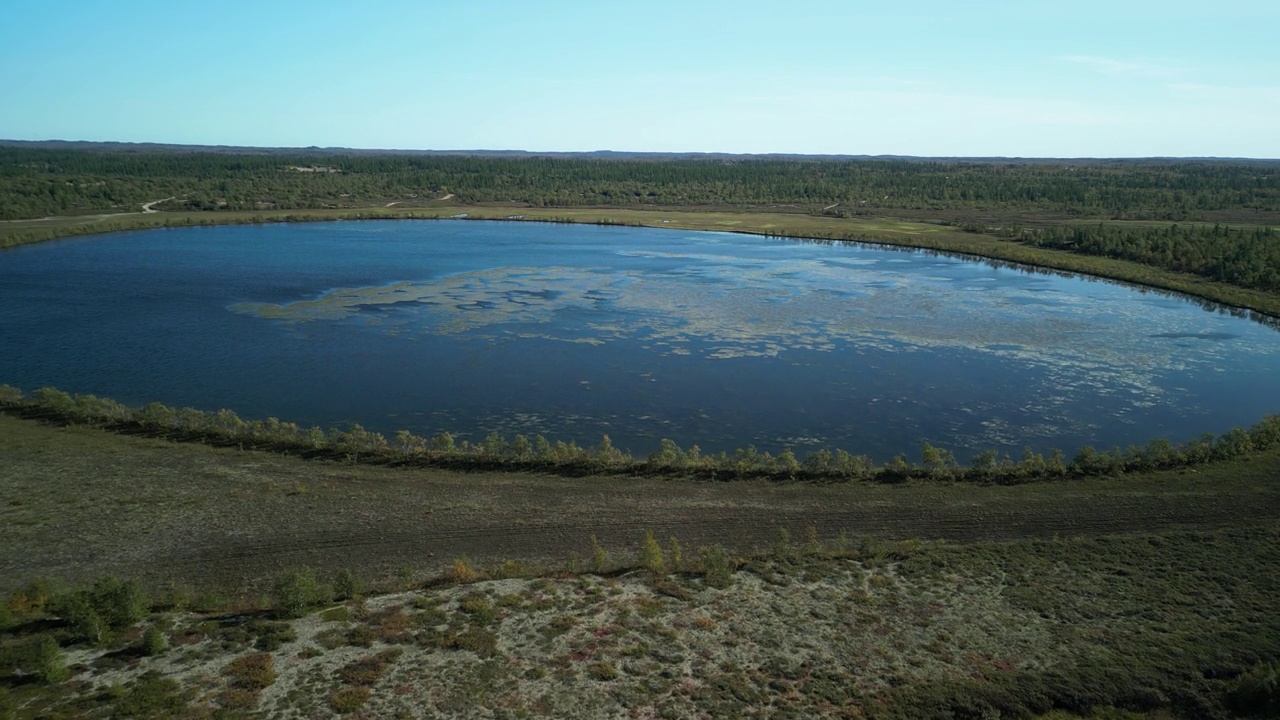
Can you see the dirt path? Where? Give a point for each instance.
(148, 208)
(77, 503)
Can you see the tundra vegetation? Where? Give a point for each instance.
(833, 627)
(1104, 583)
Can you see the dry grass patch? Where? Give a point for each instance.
(368, 670)
(255, 671)
(349, 699)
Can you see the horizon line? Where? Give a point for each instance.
(337, 149)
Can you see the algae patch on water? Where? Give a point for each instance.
(722, 307)
(457, 303)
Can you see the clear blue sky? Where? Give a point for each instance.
(1011, 78)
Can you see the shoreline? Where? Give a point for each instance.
(879, 231)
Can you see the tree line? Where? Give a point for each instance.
(1247, 257)
(356, 444)
(35, 182)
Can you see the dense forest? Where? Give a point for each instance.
(1238, 256)
(36, 182)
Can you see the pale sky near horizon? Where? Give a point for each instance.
(924, 77)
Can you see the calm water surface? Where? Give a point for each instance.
(570, 331)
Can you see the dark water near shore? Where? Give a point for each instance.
(570, 331)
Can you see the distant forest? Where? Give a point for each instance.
(982, 196)
(36, 182)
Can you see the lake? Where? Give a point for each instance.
(571, 331)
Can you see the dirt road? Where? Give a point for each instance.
(148, 208)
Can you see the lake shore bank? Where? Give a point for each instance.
(886, 231)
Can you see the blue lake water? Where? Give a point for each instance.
(571, 331)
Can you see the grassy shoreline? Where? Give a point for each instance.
(355, 445)
(887, 231)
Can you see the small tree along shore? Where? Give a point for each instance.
(356, 444)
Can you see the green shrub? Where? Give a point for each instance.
(295, 591)
(10, 395)
(1257, 692)
(812, 543)
(120, 602)
(153, 641)
(651, 557)
(110, 605)
(717, 569)
(481, 641)
(782, 544)
(53, 399)
(47, 661)
(786, 462)
(83, 618)
(346, 585)
(599, 556)
(479, 609)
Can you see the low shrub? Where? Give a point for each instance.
(296, 591)
(255, 671)
(717, 568)
(346, 585)
(1256, 693)
(463, 572)
(153, 641)
(349, 699)
(651, 556)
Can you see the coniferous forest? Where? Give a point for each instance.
(35, 182)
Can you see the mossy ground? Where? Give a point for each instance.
(1152, 623)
